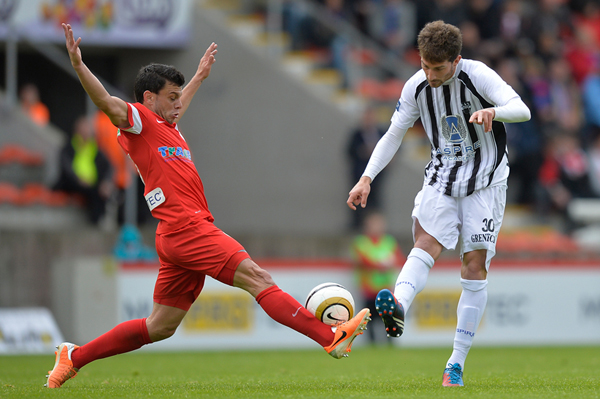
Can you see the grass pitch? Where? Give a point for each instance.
(369, 372)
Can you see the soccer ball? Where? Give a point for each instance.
(331, 303)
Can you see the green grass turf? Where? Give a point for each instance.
(369, 372)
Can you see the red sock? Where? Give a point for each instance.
(284, 309)
(125, 337)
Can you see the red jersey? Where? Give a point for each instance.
(173, 189)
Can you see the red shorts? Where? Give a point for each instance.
(188, 255)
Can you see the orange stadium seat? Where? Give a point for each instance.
(539, 241)
(9, 193)
(32, 193)
(364, 56)
(391, 89)
(57, 199)
(14, 153)
(370, 88)
(35, 193)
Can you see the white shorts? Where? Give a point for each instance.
(475, 219)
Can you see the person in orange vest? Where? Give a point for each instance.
(32, 106)
(106, 136)
(377, 258)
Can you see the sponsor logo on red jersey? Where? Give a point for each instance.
(173, 153)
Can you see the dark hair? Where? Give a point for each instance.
(439, 42)
(153, 78)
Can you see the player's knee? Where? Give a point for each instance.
(162, 332)
(428, 243)
(474, 267)
(259, 276)
(263, 277)
(252, 278)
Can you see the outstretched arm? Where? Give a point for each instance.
(114, 107)
(206, 62)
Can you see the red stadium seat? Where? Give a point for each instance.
(14, 153)
(391, 89)
(32, 193)
(9, 194)
(370, 88)
(364, 56)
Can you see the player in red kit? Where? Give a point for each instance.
(189, 245)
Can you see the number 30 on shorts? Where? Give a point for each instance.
(488, 225)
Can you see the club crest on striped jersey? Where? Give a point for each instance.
(454, 129)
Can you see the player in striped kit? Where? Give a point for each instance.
(462, 105)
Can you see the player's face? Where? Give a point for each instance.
(167, 103)
(438, 73)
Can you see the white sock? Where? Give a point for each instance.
(469, 312)
(412, 277)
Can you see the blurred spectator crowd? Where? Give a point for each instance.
(548, 50)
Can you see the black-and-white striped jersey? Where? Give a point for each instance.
(464, 158)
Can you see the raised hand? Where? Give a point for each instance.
(72, 46)
(206, 62)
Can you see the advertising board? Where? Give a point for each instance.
(119, 23)
(527, 305)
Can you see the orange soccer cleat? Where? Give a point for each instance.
(63, 367)
(346, 332)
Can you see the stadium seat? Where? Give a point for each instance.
(390, 90)
(370, 88)
(14, 153)
(57, 199)
(9, 194)
(364, 56)
(538, 240)
(32, 193)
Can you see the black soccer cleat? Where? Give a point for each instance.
(391, 312)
